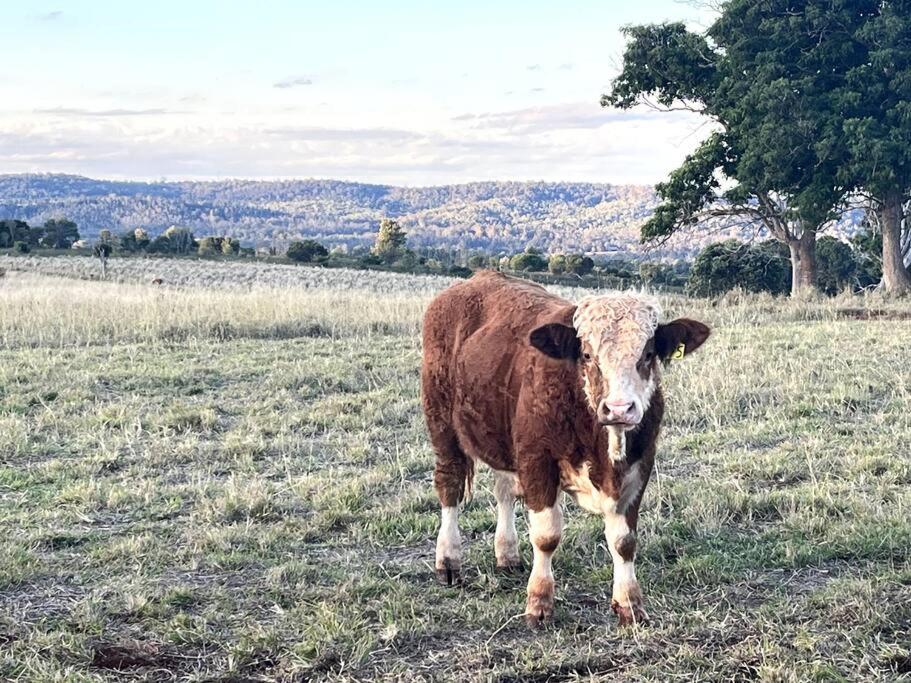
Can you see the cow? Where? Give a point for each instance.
(157, 281)
(552, 396)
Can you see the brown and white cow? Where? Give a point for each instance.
(551, 395)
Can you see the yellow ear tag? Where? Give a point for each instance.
(678, 352)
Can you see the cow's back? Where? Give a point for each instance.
(476, 356)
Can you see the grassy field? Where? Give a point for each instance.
(214, 483)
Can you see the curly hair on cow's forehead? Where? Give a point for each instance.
(617, 315)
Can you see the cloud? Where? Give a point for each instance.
(568, 66)
(105, 113)
(533, 67)
(533, 120)
(316, 133)
(51, 16)
(573, 142)
(293, 82)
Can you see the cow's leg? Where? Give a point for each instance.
(627, 596)
(545, 527)
(506, 542)
(453, 469)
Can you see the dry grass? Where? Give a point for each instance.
(201, 484)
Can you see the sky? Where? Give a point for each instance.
(399, 92)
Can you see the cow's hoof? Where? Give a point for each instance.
(628, 615)
(539, 620)
(539, 610)
(449, 574)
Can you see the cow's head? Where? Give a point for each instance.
(616, 342)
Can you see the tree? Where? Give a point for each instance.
(12, 231)
(208, 246)
(529, 260)
(768, 76)
(59, 234)
(102, 251)
(307, 251)
(580, 265)
(390, 241)
(878, 96)
(179, 240)
(230, 246)
(556, 264)
(477, 262)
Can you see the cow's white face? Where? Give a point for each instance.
(617, 341)
(618, 359)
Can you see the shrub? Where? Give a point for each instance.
(459, 271)
(722, 266)
(557, 264)
(529, 260)
(307, 251)
(836, 267)
(21, 247)
(579, 264)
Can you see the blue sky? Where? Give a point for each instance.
(412, 93)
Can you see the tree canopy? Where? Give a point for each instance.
(771, 77)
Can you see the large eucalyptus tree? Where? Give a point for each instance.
(770, 75)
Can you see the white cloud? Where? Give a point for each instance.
(573, 141)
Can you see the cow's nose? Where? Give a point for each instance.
(614, 412)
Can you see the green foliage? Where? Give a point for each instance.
(720, 267)
(579, 264)
(772, 78)
(307, 251)
(530, 260)
(556, 264)
(836, 265)
(21, 247)
(868, 252)
(877, 98)
(667, 60)
(459, 271)
(477, 262)
(59, 234)
(390, 241)
(12, 231)
(689, 189)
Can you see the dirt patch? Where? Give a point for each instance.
(569, 672)
(127, 656)
(871, 314)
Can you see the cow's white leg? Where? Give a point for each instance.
(449, 548)
(545, 528)
(627, 596)
(506, 542)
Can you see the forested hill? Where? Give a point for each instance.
(492, 216)
(488, 216)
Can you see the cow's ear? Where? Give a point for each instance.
(678, 338)
(557, 341)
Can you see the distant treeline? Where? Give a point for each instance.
(720, 267)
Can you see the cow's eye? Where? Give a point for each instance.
(586, 357)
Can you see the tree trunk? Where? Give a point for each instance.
(803, 263)
(896, 278)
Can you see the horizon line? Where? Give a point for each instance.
(278, 179)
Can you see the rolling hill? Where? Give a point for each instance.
(488, 216)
